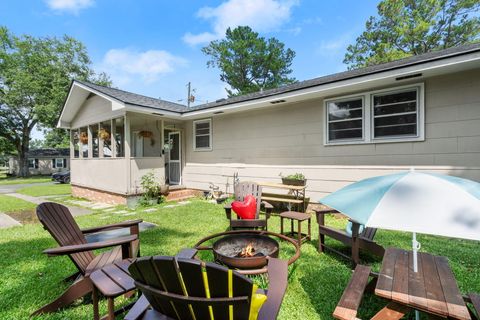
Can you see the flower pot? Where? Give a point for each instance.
(294, 182)
(164, 189)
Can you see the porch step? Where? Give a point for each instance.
(182, 194)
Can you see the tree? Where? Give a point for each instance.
(35, 74)
(410, 27)
(250, 63)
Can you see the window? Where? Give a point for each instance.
(58, 163)
(95, 138)
(202, 135)
(84, 138)
(76, 143)
(377, 116)
(345, 119)
(395, 114)
(119, 126)
(33, 163)
(105, 138)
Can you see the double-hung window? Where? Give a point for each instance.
(202, 135)
(59, 163)
(377, 116)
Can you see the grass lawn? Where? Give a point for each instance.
(34, 179)
(48, 190)
(12, 204)
(316, 281)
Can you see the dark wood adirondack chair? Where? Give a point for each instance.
(58, 221)
(356, 241)
(242, 189)
(162, 280)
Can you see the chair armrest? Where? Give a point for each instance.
(187, 253)
(123, 224)
(138, 309)
(277, 278)
(65, 250)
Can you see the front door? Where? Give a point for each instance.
(175, 162)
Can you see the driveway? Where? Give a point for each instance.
(11, 188)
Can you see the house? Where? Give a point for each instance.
(43, 161)
(422, 112)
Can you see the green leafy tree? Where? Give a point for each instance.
(410, 27)
(35, 74)
(249, 63)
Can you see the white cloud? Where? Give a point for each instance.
(260, 15)
(336, 46)
(125, 65)
(71, 6)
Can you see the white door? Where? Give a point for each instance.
(175, 162)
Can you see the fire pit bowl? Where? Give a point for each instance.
(231, 250)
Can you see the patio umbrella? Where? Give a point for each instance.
(413, 201)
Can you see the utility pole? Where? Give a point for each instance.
(190, 97)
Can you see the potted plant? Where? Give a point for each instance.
(84, 137)
(104, 134)
(151, 189)
(296, 179)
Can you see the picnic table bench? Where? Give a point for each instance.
(433, 289)
(296, 197)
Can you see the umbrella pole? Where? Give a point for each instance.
(415, 248)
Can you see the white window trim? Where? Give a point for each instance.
(32, 160)
(56, 163)
(209, 121)
(368, 119)
(342, 99)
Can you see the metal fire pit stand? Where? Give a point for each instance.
(294, 258)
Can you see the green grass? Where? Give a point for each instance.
(30, 279)
(12, 204)
(34, 179)
(48, 190)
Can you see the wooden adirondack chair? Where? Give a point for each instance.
(356, 241)
(58, 221)
(241, 190)
(163, 280)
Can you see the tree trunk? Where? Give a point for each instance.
(23, 149)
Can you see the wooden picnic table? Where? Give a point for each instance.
(296, 194)
(433, 289)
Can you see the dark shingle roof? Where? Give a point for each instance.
(49, 152)
(136, 99)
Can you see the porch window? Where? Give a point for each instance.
(95, 140)
(390, 115)
(119, 125)
(76, 143)
(105, 135)
(84, 139)
(202, 135)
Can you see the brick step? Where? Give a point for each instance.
(183, 194)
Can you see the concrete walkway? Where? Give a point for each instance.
(10, 188)
(76, 211)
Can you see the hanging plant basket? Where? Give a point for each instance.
(84, 137)
(146, 134)
(104, 134)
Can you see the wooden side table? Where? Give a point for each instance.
(299, 217)
(112, 281)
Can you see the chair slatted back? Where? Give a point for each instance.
(369, 233)
(58, 221)
(243, 189)
(175, 288)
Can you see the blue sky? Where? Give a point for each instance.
(153, 47)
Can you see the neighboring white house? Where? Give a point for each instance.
(421, 112)
(43, 161)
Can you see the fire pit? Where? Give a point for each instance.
(245, 251)
(228, 249)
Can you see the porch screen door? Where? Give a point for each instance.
(174, 165)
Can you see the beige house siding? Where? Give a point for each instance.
(261, 144)
(94, 110)
(100, 174)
